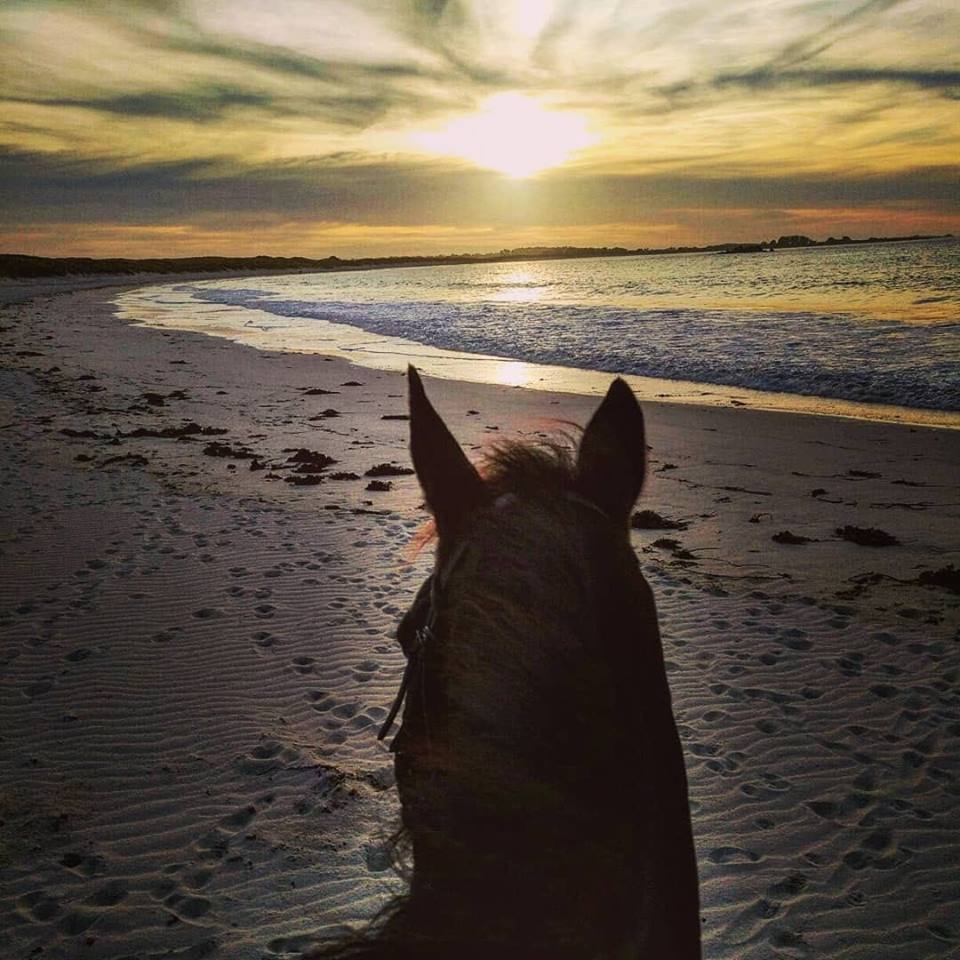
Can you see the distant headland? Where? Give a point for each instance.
(23, 266)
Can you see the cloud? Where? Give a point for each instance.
(350, 188)
(173, 111)
(947, 81)
(806, 48)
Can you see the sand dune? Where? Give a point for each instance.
(196, 654)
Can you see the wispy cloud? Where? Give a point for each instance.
(236, 107)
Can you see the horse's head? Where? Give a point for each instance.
(608, 472)
(531, 555)
(537, 763)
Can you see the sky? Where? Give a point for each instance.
(373, 127)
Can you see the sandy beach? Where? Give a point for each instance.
(197, 614)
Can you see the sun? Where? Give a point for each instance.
(511, 133)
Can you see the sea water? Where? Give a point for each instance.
(871, 324)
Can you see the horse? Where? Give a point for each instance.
(539, 769)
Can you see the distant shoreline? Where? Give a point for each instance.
(26, 267)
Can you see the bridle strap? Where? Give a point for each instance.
(421, 637)
(576, 498)
(413, 661)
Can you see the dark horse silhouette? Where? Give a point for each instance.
(541, 778)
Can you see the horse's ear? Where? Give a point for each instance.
(450, 482)
(612, 460)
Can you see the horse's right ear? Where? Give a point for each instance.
(450, 482)
(612, 459)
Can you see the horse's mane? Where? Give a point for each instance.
(530, 468)
(540, 468)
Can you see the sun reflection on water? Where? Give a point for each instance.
(519, 286)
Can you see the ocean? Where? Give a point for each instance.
(867, 325)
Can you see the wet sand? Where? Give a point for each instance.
(196, 654)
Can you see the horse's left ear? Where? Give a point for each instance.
(450, 482)
(612, 460)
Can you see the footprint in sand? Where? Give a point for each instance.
(765, 791)
(266, 757)
(209, 613)
(239, 818)
(720, 689)
(795, 639)
(77, 921)
(37, 907)
(723, 767)
(791, 943)
(321, 702)
(265, 639)
(109, 895)
(197, 879)
(748, 923)
(850, 665)
(365, 670)
(712, 716)
(303, 664)
(187, 907)
(292, 946)
(212, 846)
(790, 886)
(163, 888)
(84, 865)
(38, 688)
(345, 711)
(732, 855)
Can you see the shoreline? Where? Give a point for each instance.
(266, 331)
(197, 654)
(457, 367)
(516, 255)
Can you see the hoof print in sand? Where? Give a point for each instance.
(37, 907)
(303, 664)
(109, 895)
(732, 855)
(266, 757)
(38, 688)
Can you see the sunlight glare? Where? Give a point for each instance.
(512, 134)
(513, 373)
(519, 286)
